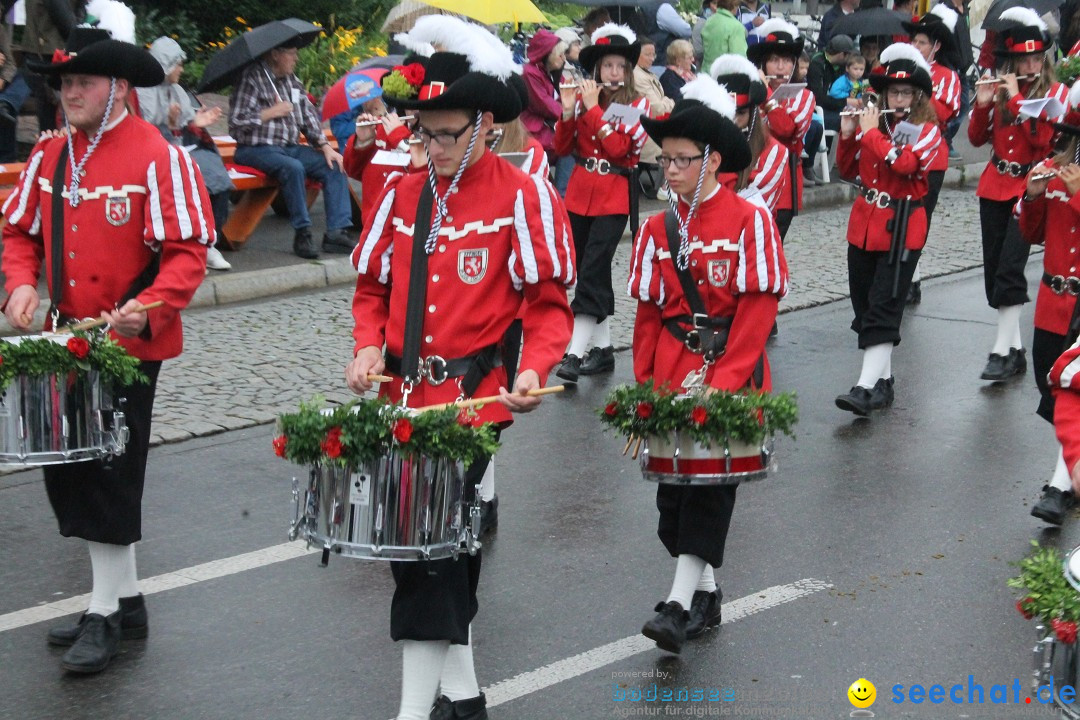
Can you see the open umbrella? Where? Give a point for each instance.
(386, 62)
(404, 15)
(992, 21)
(354, 89)
(875, 21)
(492, 12)
(225, 67)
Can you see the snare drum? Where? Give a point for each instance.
(56, 419)
(680, 460)
(394, 508)
(1054, 659)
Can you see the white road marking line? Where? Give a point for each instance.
(168, 581)
(571, 667)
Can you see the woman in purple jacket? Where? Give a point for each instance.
(547, 56)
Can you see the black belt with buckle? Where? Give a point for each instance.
(1013, 169)
(601, 166)
(1061, 284)
(705, 332)
(884, 200)
(436, 370)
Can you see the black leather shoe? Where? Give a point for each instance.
(1003, 367)
(489, 515)
(96, 644)
(704, 612)
(668, 628)
(857, 400)
(882, 394)
(1054, 505)
(598, 360)
(471, 709)
(914, 293)
(338, 241)
(303, 245)
(133, 623)
(569, 368)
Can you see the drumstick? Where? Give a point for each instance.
(628, 441)
(372, 377)
(371, 123)
(637, 448)
(87, 324)
(474, 402)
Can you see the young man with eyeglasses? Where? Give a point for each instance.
(495, 242)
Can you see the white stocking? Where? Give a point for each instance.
(421, 666)
(688, 572)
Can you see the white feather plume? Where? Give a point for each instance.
(1024, 16)
(947, 15)
(486, 53)
(609, 29)
(734, 65)
(423, 49)
(773, 25)
(903, 51)
(1074, 95)
(115, 17)
(715, 96)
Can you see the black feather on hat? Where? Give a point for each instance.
(610, 39)
(90, 51)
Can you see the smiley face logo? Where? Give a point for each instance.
(862, 693)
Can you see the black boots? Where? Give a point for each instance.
(133, 623)
(1003, 367)
(668, 628)
(471, 709)
(98, 641)
(856, 400)
(704, 613)
(598, 360)
(1054, 505)
(338, 241)
(569, 368)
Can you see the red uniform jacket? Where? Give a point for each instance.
(946, 102)
(140, 195)
(899, 172)
(590, 193)
(504, 240)
(1013, 142)
(372, 176)
(1053, 220)
(788, 123)
(770, 177)
(739, 266)
(536, 161)
(1066, 389)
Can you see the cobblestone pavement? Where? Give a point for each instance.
(244, 364)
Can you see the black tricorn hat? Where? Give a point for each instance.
(938, 24)
(1026, 36)
(777, 37)
(741, 78)
(704, 115)
(610, 39)
(902, 63)
(450, 84)
(90, 51)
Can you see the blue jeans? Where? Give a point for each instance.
(289, 165)
(811, 142)
(15, 95)
(953, 126)
(564, 166)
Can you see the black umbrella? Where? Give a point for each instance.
(386, 62)
(225, 67)
(875, 21)
(993, 21)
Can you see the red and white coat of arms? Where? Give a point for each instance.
(118, 210)
(472, 265)
(718, 272)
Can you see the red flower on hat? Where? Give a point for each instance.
(402, 430)
(603, 41)
(79, 347)
(59, 56)
(279, 445)
(413, 73)
(879, 70)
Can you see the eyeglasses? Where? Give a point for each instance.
(682, 162)
(898, 93)
(445, 139)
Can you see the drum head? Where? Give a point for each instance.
(1072, 568)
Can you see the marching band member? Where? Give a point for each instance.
(1066, 388)
(775, 54)
(390, 137)
(1049, 215)
(134, 230)
(598, 196)
(887, 227)
(729, 250)
(931, 35)
(1018, 142)
(493, 244)
(767, 177)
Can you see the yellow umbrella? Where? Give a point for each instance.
(492, 12)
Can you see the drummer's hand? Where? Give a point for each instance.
(518, 401)
(21, 306)
(368, 361)
(365, 134)
(126, 321)
(1035, 188)
(1070, 175)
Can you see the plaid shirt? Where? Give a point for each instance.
(255, 93)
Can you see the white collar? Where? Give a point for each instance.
(705, 199)
(117, 121)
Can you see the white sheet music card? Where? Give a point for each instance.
(390, 157)
(619, 114)
(787, 91)
(1035, 107)
(906, 133)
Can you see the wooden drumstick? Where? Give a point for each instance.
(474, 402)
(97, 322)
(637, 448)
(372, 377)
(629, 440)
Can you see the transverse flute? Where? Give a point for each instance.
(370, 123)
(993, 80)
(570, 86)
(1044, 176)
(850, 113)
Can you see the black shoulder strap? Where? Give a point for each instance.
(693, 297)
(56, 287)
(418, 277)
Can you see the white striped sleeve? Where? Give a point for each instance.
(379, 232)
(17, 203)
(153, 201)
(770, 171)
(527, 257)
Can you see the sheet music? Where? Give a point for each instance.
(787, 91)
(906, 133)
(619, 114)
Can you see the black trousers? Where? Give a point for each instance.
(436, 599)
(1004, 254)
(870, 279)
(783, 222)
(595, 241)
(936, 178)
(1046, 348)
(101, 500)
(694, 520)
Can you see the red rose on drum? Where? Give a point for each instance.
(279, 445)
(611, 410)
(1065, 630)
(79, 347)
(698, 415)
(331, 445)
(644, 410)
(402, 430)
(468, 418)
(1024, 606)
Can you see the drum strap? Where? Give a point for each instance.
(56, 288)
(418, 279)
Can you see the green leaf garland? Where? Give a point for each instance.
(80, 352)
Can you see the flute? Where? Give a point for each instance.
(370, 123)
(850, 113)
(993, 80)
(1044, 176)
(570, 86)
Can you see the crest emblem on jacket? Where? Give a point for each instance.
(472, 265)
(718, 272)
(118, 210)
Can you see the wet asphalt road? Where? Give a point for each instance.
(911, 517)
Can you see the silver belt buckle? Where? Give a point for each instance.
(603, 167)
(1072, 285)
(883, 200)
(433, 368)
(1060, 285)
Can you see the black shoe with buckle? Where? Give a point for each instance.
(668, 628)
(1054, 505)
(857, 400)
(489, 515)
(914, 293)
(96, 645)
(303, 245)
(569, 368)
(338, 241)
(471, 709)
(133, 623)
(598, 360)
(704, 612)
(1003, 367)
(882, 394)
